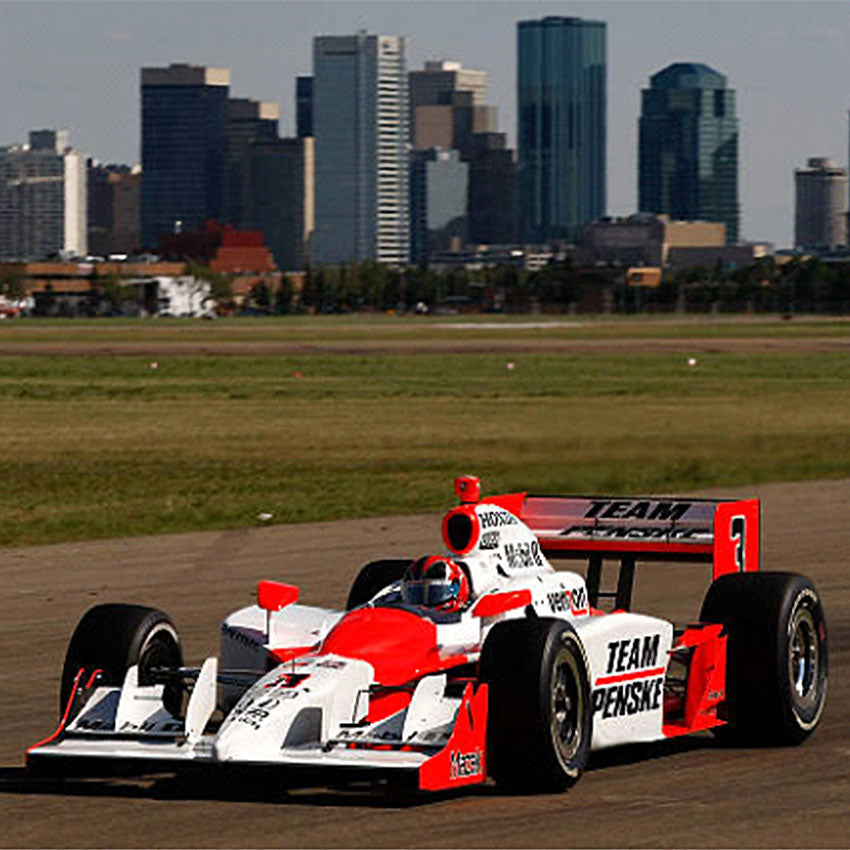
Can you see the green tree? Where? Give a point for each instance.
(12, 283)
(221, 287)
(284, 296)
(260, 296)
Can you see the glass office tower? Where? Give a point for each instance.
(561, 113)
(184, 147)
(360, 122)
(688, 147)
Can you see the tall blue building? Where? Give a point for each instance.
(561, 113)
(185, 118)
(360, 122)
(688, 147)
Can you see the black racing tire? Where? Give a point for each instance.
(113, 638)
(540, 718)
(375, 576)
(777, 664)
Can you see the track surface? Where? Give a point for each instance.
(692, 794)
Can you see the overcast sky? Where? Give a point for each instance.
(76, 65)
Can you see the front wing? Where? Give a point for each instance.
(86, 743)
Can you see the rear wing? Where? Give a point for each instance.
(724, 533)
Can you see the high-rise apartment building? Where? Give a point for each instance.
(820, 219)
(185, 119)
(561, 126)
(43, 198)
(688, 147)
(360, 124)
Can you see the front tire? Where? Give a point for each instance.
(113, 638)
(540, 721)
(776, 656)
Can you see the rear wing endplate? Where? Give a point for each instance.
(724, 533)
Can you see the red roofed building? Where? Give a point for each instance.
(242, 251)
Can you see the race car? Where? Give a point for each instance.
(444, 670)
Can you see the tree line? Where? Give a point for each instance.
(798, 285)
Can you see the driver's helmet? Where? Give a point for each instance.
(436, 582)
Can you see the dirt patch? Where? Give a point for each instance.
(686, 794)
(696, 345)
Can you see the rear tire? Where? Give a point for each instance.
(113, 638)
(375, 576)
(776, 656)
(539, 721)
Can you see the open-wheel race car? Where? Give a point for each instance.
(447, 669)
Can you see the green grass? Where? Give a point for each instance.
(106, 446)
(384, 328)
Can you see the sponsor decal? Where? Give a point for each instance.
(489, 540)
(238, 636)
(151, 726)
(496, 519)
(632, 653)
(574, 601)
(523, 555)
(87, 723)
(636, 509)
(637, 532)
(628, 698)
(633, 681)
(331, 664)
(464, 764)
(253, 715)
(370, 734)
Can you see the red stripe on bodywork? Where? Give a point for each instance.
(628, 677)
(499, 603)
(61, 727)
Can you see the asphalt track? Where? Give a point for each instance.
(690, 793)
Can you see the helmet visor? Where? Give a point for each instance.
(429, 593)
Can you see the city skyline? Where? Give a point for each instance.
(75, 65)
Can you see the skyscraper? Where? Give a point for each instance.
(304, 106)
(360, 124)
(688, 147)
(43, 197)
(280, 198)
(448, 111)
(249, 121)
(561, 105)
(820, 215)
(114, 197)
(438, 186)
(184, 147)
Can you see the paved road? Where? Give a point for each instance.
(688, 794)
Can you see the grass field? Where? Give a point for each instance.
(101, 445)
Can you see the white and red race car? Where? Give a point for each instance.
(520, 685)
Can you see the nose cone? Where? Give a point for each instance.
(399, 644)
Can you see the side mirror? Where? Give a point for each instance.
(275, 596)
